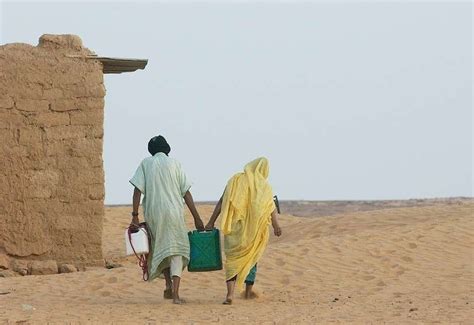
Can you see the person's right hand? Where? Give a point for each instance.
(199, 225)
(134, 225)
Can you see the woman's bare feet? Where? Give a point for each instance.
(250, 294)
(230, 292)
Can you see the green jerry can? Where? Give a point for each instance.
(205, 251)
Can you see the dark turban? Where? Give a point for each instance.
(158, 144)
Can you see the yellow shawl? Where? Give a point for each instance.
(246, 213)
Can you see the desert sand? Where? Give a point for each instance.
(399, 264)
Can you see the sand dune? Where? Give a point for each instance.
(395, 265)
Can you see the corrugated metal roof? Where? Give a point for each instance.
(116, 65)
(119, 65)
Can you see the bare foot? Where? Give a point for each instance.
(249, 294)
(168, 294)
(227, 302)
(178, 301)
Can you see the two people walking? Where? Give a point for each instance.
(246, 209)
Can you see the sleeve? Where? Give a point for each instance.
(183, 181)
(138, 180)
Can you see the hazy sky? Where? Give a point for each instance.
(348, 100)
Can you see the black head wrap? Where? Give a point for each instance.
(158, 144)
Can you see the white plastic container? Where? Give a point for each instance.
(139, 241)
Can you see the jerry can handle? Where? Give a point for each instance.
(277, 203)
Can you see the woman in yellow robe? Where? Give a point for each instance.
(247, 209)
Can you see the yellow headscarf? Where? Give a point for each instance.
(246, 213)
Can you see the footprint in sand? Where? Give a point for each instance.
(285, 280)
(280, 262)
(412, 245)
(381, 283)
(97, 287)
(368, 277)
(266, 283)
(112, 280)
(105, 293)
(407, 259)
(385, 259)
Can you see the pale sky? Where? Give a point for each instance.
(348, 100)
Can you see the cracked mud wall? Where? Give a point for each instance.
(51, 169)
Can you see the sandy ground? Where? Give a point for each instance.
(395, 265)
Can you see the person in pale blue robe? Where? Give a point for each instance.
(165, 189)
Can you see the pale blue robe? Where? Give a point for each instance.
(163, 185)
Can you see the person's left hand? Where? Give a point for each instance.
(277, 230)
(199, 225)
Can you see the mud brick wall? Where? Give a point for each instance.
(51, 171)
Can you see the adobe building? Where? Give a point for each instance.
(51, 138)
